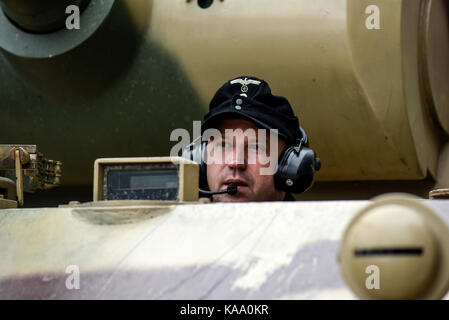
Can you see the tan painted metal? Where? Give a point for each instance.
(7, 203)
(9, 186)
(439, 194)
(357, 91)
(188, 174)
(396, 248)
(19, 177)
(443, 168)
(147, 253)
(271, 250)
(434, 62)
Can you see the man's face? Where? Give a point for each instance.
(238, 163)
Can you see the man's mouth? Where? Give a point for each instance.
(239, 183)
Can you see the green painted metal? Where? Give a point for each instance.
(117, 94)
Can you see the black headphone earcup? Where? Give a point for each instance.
(203, 168)
(196, 151)
(296, 170)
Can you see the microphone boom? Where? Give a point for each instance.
(231, 189)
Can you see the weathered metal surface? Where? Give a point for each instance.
(8, 187)
(439, 194)
(434, 27)
(209, 251)
(25, 169)
(7, 154)
(6, 203)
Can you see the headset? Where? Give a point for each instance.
(295, 171)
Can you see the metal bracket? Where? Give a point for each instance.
(26, 170)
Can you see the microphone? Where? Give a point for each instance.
(231, 189)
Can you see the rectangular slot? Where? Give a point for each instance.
(388, 252)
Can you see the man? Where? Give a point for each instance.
(240, 106)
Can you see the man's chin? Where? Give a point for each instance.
(231, 198)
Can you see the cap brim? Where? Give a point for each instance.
(29, 45)
(212, 122)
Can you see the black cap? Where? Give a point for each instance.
(250, 98)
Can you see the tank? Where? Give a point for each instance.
(369, 83)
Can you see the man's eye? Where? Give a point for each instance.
(254, 147)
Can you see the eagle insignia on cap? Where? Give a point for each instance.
(245, 82)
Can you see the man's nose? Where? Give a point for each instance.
(238, 158)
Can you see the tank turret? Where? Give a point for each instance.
(373, 98)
